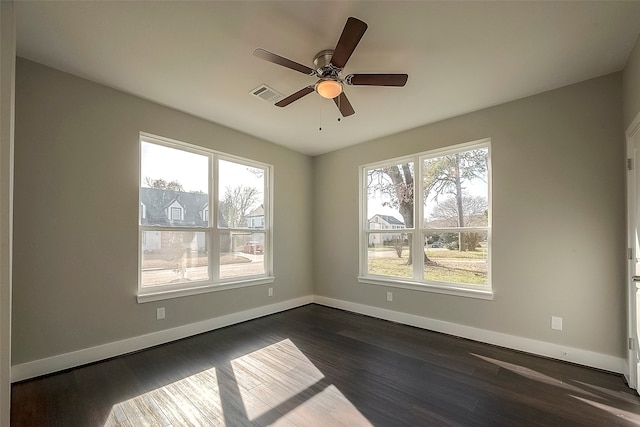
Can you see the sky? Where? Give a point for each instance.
(191, 169)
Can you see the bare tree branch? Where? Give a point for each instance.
(237, 203)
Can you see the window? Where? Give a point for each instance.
(182, 251)
(438, 242)
(176, 213)
(205, 213)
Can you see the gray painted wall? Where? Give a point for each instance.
(558, 213)
(76, 198)
(631, 85)
(7, 75)
(558, 218)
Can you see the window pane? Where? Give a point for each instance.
(389, 254)
(174, 187)
(390, 197)
(241, 193)
(456, 189)
(446, 262)
(241, 254)
(170, 257)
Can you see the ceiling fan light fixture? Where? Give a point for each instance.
(329, 88)
(329, 64)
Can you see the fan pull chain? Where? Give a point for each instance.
(339, 104)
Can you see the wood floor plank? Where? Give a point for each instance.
(141, 411)
(317, 366)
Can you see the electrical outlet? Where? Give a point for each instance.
(389, 296)
(556, 323)
(160, 313)
(270, 292)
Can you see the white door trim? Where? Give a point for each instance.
(631, 372)
(633, 128)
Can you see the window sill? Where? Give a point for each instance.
(456, 290)
(149, 295)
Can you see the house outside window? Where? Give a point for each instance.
(181, 251)
(384, 222)
(440, 241)
(255, 219)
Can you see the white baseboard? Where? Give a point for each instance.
(93, 354)
(541, 348)
(60, 362)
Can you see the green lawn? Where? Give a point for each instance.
(436, 253)
(450, 267)
(455, 275)
(395, 266)
(446, 253)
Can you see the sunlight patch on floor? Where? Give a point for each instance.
(620, 413)
(532, 374)
(274, 385)
(294, 390)
(619, 394)
(194, 400)
(273, 375)
(327, 408)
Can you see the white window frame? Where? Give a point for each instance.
(417, 282)
(172, 210)
(212, 230)
(205, 213)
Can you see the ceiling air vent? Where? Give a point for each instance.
(266, 93)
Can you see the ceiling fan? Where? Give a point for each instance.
(329, 64)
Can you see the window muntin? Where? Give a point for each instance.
(180, 185)
(452, 233)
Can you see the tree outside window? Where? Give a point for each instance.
(452, 233)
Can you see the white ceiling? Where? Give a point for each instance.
(460, 56)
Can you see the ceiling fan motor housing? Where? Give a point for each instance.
(323, 58)
(324, 68)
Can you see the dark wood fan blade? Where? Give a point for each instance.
(277, 59)
(351, 34)
(344, 105)
(377, 79)
(294, 97)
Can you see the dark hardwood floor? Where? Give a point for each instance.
(315, 365)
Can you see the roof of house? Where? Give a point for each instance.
(157, 200)
(391, 220)
(259, 211)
